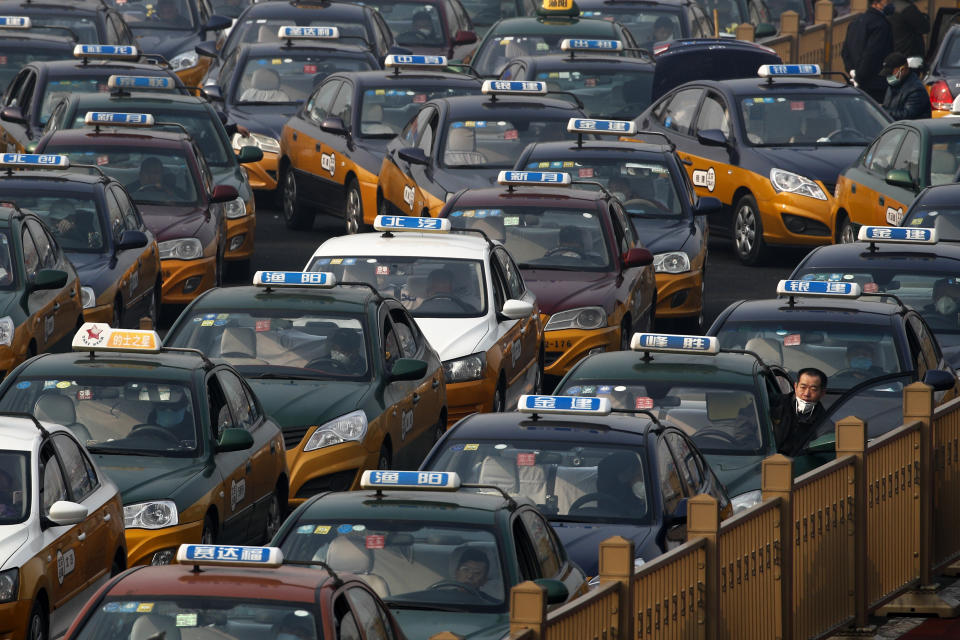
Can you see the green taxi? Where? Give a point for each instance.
(442, 555)
(194, 455)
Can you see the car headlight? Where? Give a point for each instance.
(746, 500)
(794, 183)
(150, 515)
(180, 249)
(9, 585)
(236, 208)
(185, 60)
(671, 262)
(582, 318)
(466, 368)
(349, 427)
(88, 297)
(265, 143)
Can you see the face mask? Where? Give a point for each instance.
(169, 417)
(893, 81)
(861, 362)
(804, 407)
(638, 488)
(946, 305)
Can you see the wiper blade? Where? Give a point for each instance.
(284, 376)
(125, 452)
(551, 267)
(423, 607)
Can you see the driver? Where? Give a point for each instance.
(440, 283)
(345, 349)
(422, 27)
(946, 293)
(571, 243)
(620, 485)
(472, 569)
(168, 13)
(796, 414)
(151, 177)
(860, 358)
(175, 415)
(64, 217)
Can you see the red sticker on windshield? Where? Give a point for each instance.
(309, 68)
(85, 394)
(376, 541)
(643, 402)
(262, 325)
(102, 160)
(526, 459)
(510, 134)
(586, 172)
(590, 82)
(420, 97)
(796, 105)
(791, 340)
(870, 287)
(3, 59)
(383, 270)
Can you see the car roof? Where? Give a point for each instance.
(476, 107)
(942, 194)
(558, 197)
(464, 507)
(75, 179)
(142, 97)
(338, 299)
(449, 245)
(585, 60)
(935, 126)
(96, 67)
(912, 257)
(340, 47)
(632, 4)
(73, 5)
(179, 365)
(296, 9)
(381, 76)
(21, 434)
(613, 428)
(738, 86)
(732, 369)
(848, 311)
(42, 41)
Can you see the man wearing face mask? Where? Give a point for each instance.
(796, 414)
(860, 357)
(906, 98)
(174, 415)
(345, 348)
(944, 313)
(620, 484)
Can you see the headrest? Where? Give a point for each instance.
(265, 80)
(372, 113)
(501, 472)
(942, 161)
(460, 139)
(238, 340)
(725, 405)
(152, 626)
(53, 407)
(347, 554)
(268, 33)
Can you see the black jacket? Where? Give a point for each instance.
(909, 25)
(792, 430)
(869, 40)
(908, 100)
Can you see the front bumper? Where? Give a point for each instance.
(330, 467)
(184, 280)
(263, 174)
(143, 543)
(679, 295)
(816, 214)
(473, 396)
(566, 347)
(240, 233)
(13, 619)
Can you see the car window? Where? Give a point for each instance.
(391, 347)
(52, 486)
(405, 333)
(220, 416)
(31, 257)
(80, 475)
(908, 158)
(343, 105)
(322, 101)
(714, 115)
(131, 218)
(114, 216)
(925, 342)
(678, 113)
(241, 405)
(881, 155)
(372, 618)
(427, 136)
(686, 461)
(347, 628)
(511, 274)
(526, 552)
(671, 484)
(45, 252)
(546, 551)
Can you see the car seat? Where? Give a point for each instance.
(238, 342)
(53, 407)
(346, 554)
(500, 472)
(152, 626)
(372, 121)
(461, 148)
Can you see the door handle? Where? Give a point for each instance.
(416, 398)
(294, 136)
(81, 536)
(882, 201)
(436, 383)
(317, 147)
(56, 306)
(273, 446)
(106, 517)
(853, 188)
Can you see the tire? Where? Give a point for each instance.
(38, 624)
(274, 517)
(748, 241)
(117, 321)
(383, 460)
(353, 209)
(209, 533)
(500, 397)
(846, 230)
(294, 214)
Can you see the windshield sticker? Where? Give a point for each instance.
(589, 389)
(572, 391)
(471, 447)
(526, 459)
(500, 447)
(420, 98)
(382, 270)
(336, 261)
(85, 394)
(870, 287)
(792, 340)
(586, 172)
(23, 385)
(456, 447)
(310, 68)
(796, 105)
(510, 134)
(186, 620)
(103, 161)
(207, 323)
(590, 82)
(322, 530)
(359, 527)
(511, 221)
(604, 388)
(345, 528)
(63, 384)
(643, 402)
(262, 325)
(374, 541)
(916, 222)
(305, 528)
(145, 607)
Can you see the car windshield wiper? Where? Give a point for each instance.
(126, 452)
(550, 267)
(423, 607)
(271, 375)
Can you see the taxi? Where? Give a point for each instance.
(203, 124)
(484, 13)
(463, 142)
(652, 21)
(330, 158)
(429, 27)
(39, 86)
(667, 217)
(260, 86)
(680, 61)
(936, 208)
(168, 179)
(22, 42)
(186, 440)
(577, 252)
(593, 475)
(345, 372)
(609, 86)
(467, 297)
(208, 591)
(769, 149)
(62, 528)
(907, 156)
(115, 255)
(440, 554)
(93, 21)
(556, 20)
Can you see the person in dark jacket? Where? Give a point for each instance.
(909, 25)
(797, 414)
(869, 40)
(906, 97)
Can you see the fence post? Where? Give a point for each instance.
(823, 14)
(859, 6)
(790, 27)
(528, 608)
(851, 440)
(616, 563)
(745, 31)
(777, 482)
(703, 521)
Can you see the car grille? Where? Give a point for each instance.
(293, 436)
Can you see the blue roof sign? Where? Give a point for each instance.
(140, 82)
(14, 22)
(570, 405)
(39, 160)
(913, 235)
(577, 44)
(321, 279)
(229, 555)
(673, 343)
(610, 127)
(787, 70)
(818, 288)
(106, 51)
(308, 33)
(118, 119)
(415, 61)
(411, 223)
(428, 480)
(514, 87)
(534, 177)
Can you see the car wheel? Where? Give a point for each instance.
(500, 397)
(39, 625)
(209, 533)
(847, 231)
(117, 320)
(383, 460)
(293, 213)
(748, 231)
(274, 518)
(353, 210)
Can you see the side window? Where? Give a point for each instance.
(500, 290)
(713, 115)
(27, 93)
(412, 131)
(881, 156)
(372, 618)
(343, 106)
(79, 472)
(526, 553)
(131, 217)
(925, 340)
(227, 71)
(55, 117)
(391, 347)
(113, 35)
(13, 91)
(114, 215)
(687, 462)
(404, 333)
(241, 404)
(908, 158)
(47, 257)
(427, 136)
(220, 416)
(619, 233)
(322, 100)
(52, 486)
(346, 622)
(511, 274)
(511, 71)
(671, 486)
(546, 552)
(630, 238)
(31, 257)
(678, 114)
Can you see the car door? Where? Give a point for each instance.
(898, 197)
(713, 166)
(302, 139)
(19, 95)
(332, 148)
(422, 175)
(867, 185)
(524, 335)
(930, 351)
(67, 306)
(127, 270)
(635, 280)
(144, 261)
(396, 183)
(63, 545)
(42, 304)
(674, 116)
(507, 346)
(233, 467)
(372, 617)
(397, 394)
(695, 470)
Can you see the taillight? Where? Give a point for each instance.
(660, 48)
(940, 96)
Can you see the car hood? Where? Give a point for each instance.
(168, 223)
(454, 337)
(560, 290)
(820, 163)
(299, 403)
(265, 119)
(660, 235)
(581, 540)
(453, 180)
(12, 537)
(93, 269)
(167, 42)
(421, 625)
(142, 478)
(737, 473)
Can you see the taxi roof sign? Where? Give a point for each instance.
(570, 405)
(788, 70)
(552, 178)
(411, 223)
(14, 22)
(414, 61)
(320, 279)
(579, 44)
(39, 160)
(818, 288)
(416, 480)
(118, 119)
(607, 127)
(106, 51)
(99, 336)
(558, 8)
(674, 343)
(140, 82)
(229, 555)
(308, 33)
(911, 235)
(513, 88)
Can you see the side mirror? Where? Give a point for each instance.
(556, 590)
(223, 193)
(764, 30)
(132, 239)
(334, 125)
(637, 257)
(234, 440)
(516, 309)
(940, 380)
(408, 369)
(12, 114)
(207, 49)
(413, 155)
(217, 23)
(464, 37)
(63, 512)
(900, 178)
(212, 92)
(707, 205)
(712, 137)
(49, 279)
(249, 153)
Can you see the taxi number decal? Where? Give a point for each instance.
(328, 162)
(515, 351)
(894, 216)
(558, 345)
(238, 490)
(706, 179)
(408, 196)
(406, 423)
(66, 563)
(49, 324)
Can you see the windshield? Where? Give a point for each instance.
(427, 287)
(616, 94)
(423, 565)
(157, 14)
(847, 353)
(496, 144)
(414, 24)
(267, 30)
(803, 119)
(193, 618)
(645, 188)
(84, 27)
(498, 50)
(290, 79)
(158, 176)
(279, 342)
(113, 415)
(12, 61)
(945, 219)
(74, 218)
(648, 24)
(543, 238)
(230, 8)
(14, 486)
(385, 111)
(483, 13)
(567, 480)
(944, 159)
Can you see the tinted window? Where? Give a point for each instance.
(79, 472)
(679, 112)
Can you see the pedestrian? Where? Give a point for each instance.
(906, 98)
(869, 40)
(909, 25)
(796, 415)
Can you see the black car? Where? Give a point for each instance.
(19, 47)
(484, 13)
(686, 60)
(943, 78)
(937, 208)
(92, 21)
(653, 21)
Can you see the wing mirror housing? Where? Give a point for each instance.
(712, 138)
(556, 591)
(516, 309)
(132, 239)
(408, 369)
(224, 193)
(234, 440)
(637, 257)
(413, 155)
(63, 512)
(939, 379)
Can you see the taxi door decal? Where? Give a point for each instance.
(66, 564)
(328, 162)
(406, 423)
(706, 179)
(408, 196)
(516, 350)
(238, 491)
(894, 216)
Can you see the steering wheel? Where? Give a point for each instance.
(596, 496)
(645, 203)
(447, 296)
(152, 187)
(152, 428)
(453, 584)
(579, 252)
(859, 374)
(325, 363)
(720, 434)
(837, 132)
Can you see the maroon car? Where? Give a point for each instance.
(429, 27)
(166, 175)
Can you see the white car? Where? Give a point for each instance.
(61, 527)
(467, 297)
